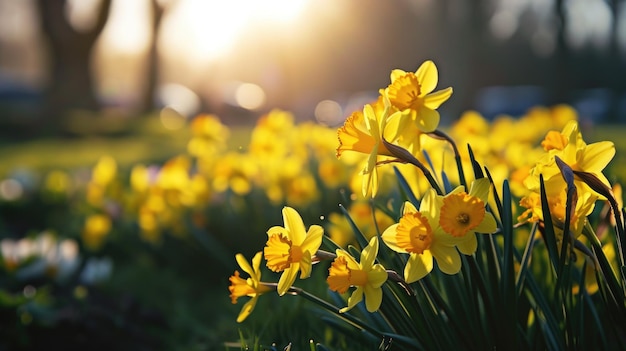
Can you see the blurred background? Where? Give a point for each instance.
(245, 57)
(98, 100)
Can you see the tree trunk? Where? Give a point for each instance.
(70, 84)
(153, 59)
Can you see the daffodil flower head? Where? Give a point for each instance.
(251, 287)
(463, 214)
(365, 275)
(363, 132)
(557, 204)
(290, 249)
(412, 93)
(97, 226)
(570, 147)
(419, 234)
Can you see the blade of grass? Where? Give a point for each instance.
(405, 188)
(360, 238)
(548, 232)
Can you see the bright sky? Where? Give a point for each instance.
(206, 29)
(230, 37)
(193, 33)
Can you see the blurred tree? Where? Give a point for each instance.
(70, 83)
(148, 102)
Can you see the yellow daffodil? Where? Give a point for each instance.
(363, 132)
(105, 170)
(570, 147)
(557, 205)
(234, 171)
(97, 226)
(366, 276)
(419, 234)
(273, 135)
(412, 93)
(463, 213)
(209, 136)
(289, 249)
(251, 287)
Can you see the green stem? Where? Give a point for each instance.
(605, 268)
(438, 134)
(335, 310)
(322, 255)
(404, 155)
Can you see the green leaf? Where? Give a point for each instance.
(360, 238)
(495, 192)
(508, 271)
(549, 323)
(478, 172)
(405, 188)
(548, 232)
(530, 244)
(447, 187)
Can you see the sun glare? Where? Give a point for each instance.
(208, 29)
(127, 29)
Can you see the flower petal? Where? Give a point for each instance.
(368, 255)
(396, 73)
(437, 98)
(488, 225)
(294, 225)
(288, 278)
(353, 300)
(408, 208)
(430, 207)
(245, 266)
(370, 180)
(277, 230)
(256, 265)
(427, 119)
(480, 189)
(418, 266)
(389, 236)
(443, 238)
(397, 125)
(352, 263)
(373, 298)
(448, 259)
(371, 121)
(427, 76)
(247, 309)
(597, 156)
(377, 276)
(468, 244)
(306, 265)
(313, 239)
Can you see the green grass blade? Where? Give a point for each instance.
(405, 188)
(530, 244)
(478, 172)
(360, 238)
(548, 233)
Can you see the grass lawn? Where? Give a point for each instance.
(141, 140)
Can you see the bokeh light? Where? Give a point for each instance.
(329, 112)
(250, 96)
(11, 189)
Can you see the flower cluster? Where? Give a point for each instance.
(441, 228)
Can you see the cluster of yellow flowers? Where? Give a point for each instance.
(289, 163)
(401, 128)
